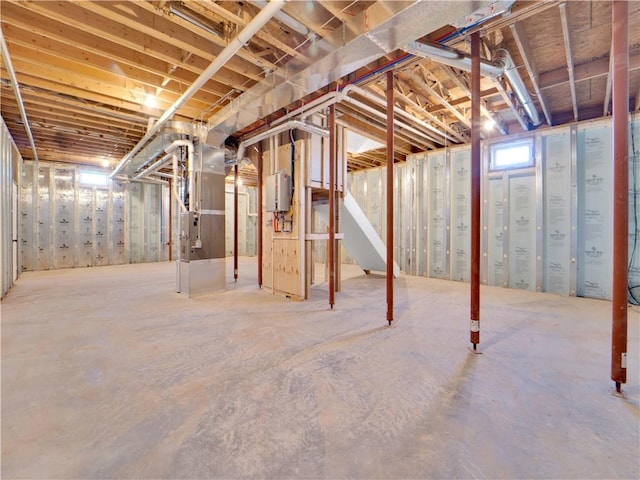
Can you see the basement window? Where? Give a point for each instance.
(506, 156)
(93, 179)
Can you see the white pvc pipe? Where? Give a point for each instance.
(297, 124)
(16, 91)
(229, 51)
(170, 149)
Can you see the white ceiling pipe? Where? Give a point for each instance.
(153, 167)
(291, 124)
(16, 91)
(503, 65)
(190, 169)
(229, 51)
(288, 20)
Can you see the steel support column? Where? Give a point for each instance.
(235, 222)
(390, 160)
(171, 200)
(259, 208)
(475, 189)
(620, 29)
(332, 204)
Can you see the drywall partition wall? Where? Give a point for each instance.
(595, 208)
(9, 174)
(559, 223)
(66, 222)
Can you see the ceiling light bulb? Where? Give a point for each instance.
(150, 101)
(489, 123)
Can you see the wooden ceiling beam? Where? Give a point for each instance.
(37, 115)
(414, 108)
(41, 45)
(204, 7)
(78, 18)
(105, 76)
(46, 97)
(82, 87)
(80, 94)
(150, 56)
(143, 17)
(520, 37)
(583, 72)
(566, 36)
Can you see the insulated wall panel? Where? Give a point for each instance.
(557, 212)
(438, 208)
(377, 200)
(403, 225)
(64, 200)
(495, 232)
(136, 223)
(595, 207)
(117, 237)
(460, 215)
(44, 227)
(28, 221)
(152, 222)
(421, 216)
(522, 232)
(101, 227)
(86, 232)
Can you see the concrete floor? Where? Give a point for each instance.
(107, 373)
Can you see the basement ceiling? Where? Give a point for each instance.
(94, 74)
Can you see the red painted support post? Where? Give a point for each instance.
(332, 205)
(259, 207)
(235, 222)
(390, 160)
(620, 50)
(475, 189)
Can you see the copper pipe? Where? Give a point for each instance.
(332, 205)
(620, 61)
(475, 190)
(259, 208)
(235, 222)
(390, 190)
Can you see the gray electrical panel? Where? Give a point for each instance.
(278, 193)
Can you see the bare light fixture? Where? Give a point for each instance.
(151, 101)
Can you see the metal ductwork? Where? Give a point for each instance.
(380, 29)
(503, 65)
(259, 21)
